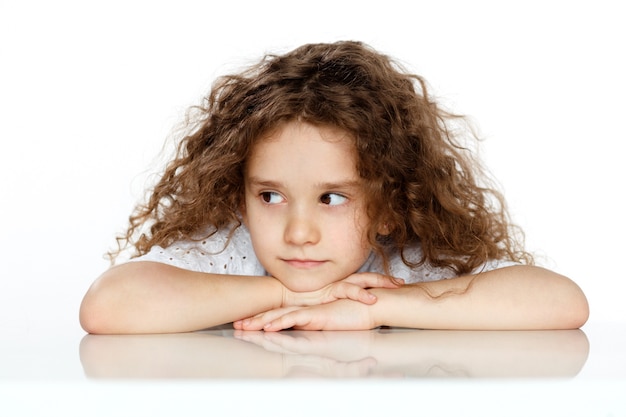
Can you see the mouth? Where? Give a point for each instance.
(304, 263)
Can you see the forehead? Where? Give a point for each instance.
(298, 147)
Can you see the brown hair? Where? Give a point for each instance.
(422, 182)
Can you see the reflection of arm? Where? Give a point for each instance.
(517, 297)
(150, 297)
(435, 353)
(184, 355)
(394, 352)
(484, 354)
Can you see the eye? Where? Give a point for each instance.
(333, 199)
(271, 197)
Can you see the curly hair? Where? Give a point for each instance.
(423, 185)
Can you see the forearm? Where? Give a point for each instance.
(519, 297)
(148, 297)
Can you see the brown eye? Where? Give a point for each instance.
(333, 199)
(270, 197)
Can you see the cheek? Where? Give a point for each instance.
(361, 228)
(262, 230)
(351, 237)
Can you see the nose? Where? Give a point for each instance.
(302, 229)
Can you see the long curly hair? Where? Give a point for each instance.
(424, 183)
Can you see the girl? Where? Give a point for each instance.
(324, 189)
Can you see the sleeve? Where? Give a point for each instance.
(215, 254)
(425, 272)
(492, 264)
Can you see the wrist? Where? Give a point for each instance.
(294, 298)
(281, 293)
(377, 310)
(394, 307)
(289, 298)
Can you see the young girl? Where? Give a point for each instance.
(325, 189)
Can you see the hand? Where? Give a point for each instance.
(337, 315)
(353, 287)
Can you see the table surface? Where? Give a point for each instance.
(442, 371)
(384, 353)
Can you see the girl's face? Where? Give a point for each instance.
(304, 206)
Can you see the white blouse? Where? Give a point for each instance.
(218, 256)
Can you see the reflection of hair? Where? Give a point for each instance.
(421, 182)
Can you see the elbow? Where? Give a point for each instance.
(573, 311)
(92, 316)
(88, 320)
(558, 302)
(579, 312)
(99, 308)
(121, 301)
(92, 321)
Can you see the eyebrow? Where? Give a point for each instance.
(334, 185)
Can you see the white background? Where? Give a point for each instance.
(89, 92)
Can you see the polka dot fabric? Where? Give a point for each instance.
(217, 255)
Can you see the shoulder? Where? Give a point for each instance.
(218, 253)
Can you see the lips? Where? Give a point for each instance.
(304, 263)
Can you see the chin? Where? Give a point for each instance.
(302, 285)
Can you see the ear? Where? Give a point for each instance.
(384, 229)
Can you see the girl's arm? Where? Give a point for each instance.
(151, 297)
(512, 298)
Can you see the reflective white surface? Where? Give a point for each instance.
(598, 351)
(384, 353)
(577, 372)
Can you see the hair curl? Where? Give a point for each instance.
(423, 184)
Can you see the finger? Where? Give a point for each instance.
(248, 324)
(353, 292)
(244, 324)
(258, 322)
(299, 319)
(373, 280)
(252, 323)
